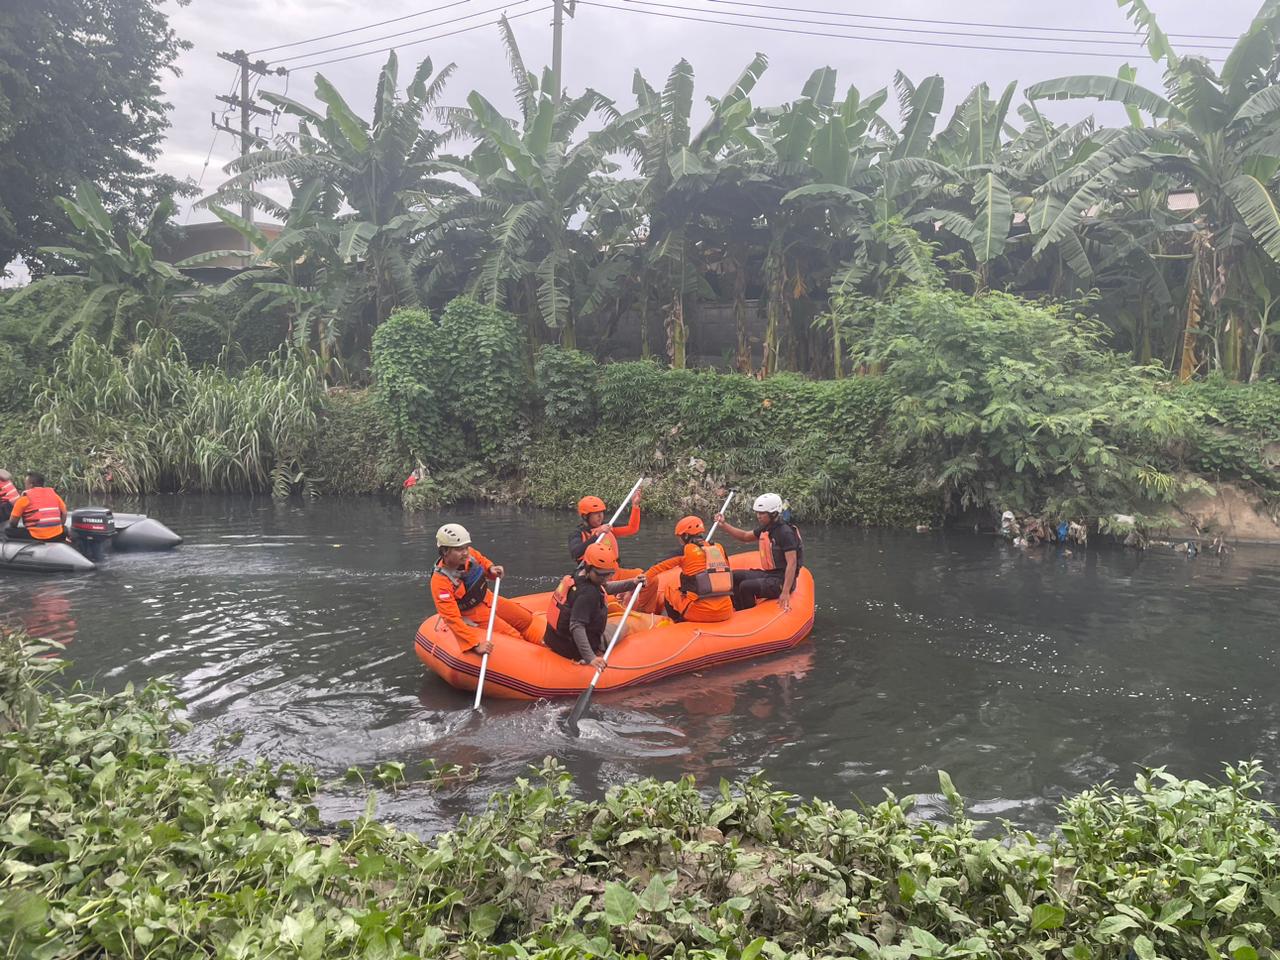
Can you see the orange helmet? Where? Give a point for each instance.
(601, 556)
(690, 527)
(590, 505)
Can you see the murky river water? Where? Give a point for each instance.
(1026, 674)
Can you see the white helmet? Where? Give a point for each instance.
(767, 503)
(453, 535)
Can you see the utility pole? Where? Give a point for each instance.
(247, 109)
(557, 43)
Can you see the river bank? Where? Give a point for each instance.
(100, 815)
(965, 407)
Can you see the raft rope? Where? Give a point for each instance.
(696, 635)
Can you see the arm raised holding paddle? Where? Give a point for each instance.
(593, 529)
(781, 555)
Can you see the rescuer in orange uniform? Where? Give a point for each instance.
(41, 510)
(704, 593)
(460, 589)
(8, 495)
(592, 510)
(578, 610)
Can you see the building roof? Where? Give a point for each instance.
(197, 238)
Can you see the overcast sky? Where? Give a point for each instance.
(604, 46)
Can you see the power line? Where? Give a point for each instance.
(845, 36)
(402, 33)
(962, 23)
(1133, 41)
(440, 36)
(235, 78)
(367, 26)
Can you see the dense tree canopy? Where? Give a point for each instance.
(80, 99)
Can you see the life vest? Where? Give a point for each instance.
(8, 492)
(589, 537)
(716, 577)
(43, 511)
(560, 603)
(469, 584)
(767, 549)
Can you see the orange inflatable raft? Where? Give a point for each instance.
(653, 648)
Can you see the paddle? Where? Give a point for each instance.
(584, 698)
(723, 507)
(617, 513)
(488, 638)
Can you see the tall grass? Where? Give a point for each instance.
(148, 421)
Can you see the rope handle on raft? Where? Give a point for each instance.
(696, 635)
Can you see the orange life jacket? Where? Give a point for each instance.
(560, 603)
(766, 549)
(8, 492)
(715, 579)
(42, 513)
(589, 536)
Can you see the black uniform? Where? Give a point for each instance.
(750, 585)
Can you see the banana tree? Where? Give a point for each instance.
(383, 171)
(124, 283)
(299, 274)
(1216, 133)
(685, 180)
(875, 188)
(532, 182)
(973, 145)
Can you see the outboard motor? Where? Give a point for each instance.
(91, 530)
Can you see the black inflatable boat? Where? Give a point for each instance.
(92, 530)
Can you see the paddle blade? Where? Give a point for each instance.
(579, 708)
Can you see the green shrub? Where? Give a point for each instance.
(1007, 404)
(457, 391)
(16, 377)
(147, 421)
(229, 323)
(1238, 431)
(566, 387)
(819, 443)
(406, 380)
(351, 452)
(485, 381)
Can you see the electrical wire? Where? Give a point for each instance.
(441, 36)
(1131, 42)
(235, 75)
(402, 33)
(845, 36)
(962, 23)
(203, 170)
(367, 26)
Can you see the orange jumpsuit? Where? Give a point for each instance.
(691, 561)
(452, 590)
(584, 536)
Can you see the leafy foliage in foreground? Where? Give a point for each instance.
(112, 846)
